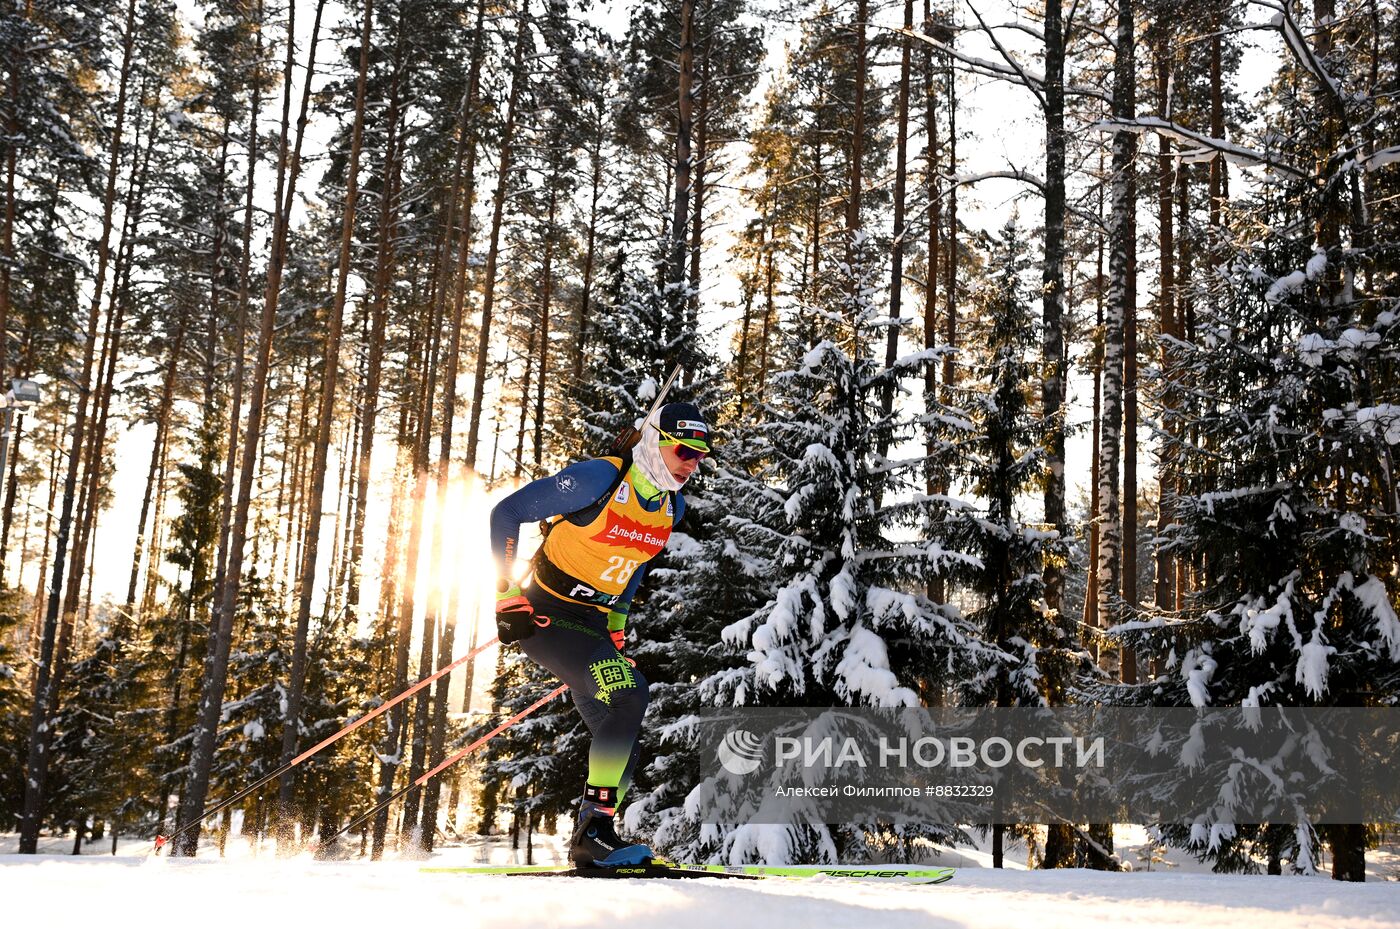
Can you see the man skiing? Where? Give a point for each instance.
(610, 517)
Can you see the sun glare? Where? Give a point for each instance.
(460, 581)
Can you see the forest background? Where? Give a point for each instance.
(1050, 351)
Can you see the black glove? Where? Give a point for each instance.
(515, 617)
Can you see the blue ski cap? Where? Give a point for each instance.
(684, 422)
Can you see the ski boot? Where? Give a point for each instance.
(595, 844)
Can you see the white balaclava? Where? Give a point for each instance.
(647, 456)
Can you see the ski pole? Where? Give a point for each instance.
(162, 840)
(453, 759)
(445, 763)
(665, 389)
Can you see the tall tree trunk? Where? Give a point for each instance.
(12, 488)
(1164, 593)
(950, 264)
(330, 371)
(525, 386)
(857, 152)
(1185, 314)
(768, 320)
(1373, 85)
(813, 288)
(897, 249)
(25, 366)
(432, 341)
(346, 478)
(488, 299)
(55, 642)
(1091, 593)
(742, 377)
(157, 539)
(167, 396)
(241, 328)
(439, 617)
(675, 257)
(1129, 570)
(40, 605)
(391, 748)
(1219, 171)
(1116, 313)
(1330, 212)
(697, 218)
(293, 539)
(421, 722)
(936, 587)
(11, 493)
(585, 296)
(1129, 573)
(226, 600)
(1348, 843)
(1053, 357)
(546, 298)
(379, 315)
(17, 56)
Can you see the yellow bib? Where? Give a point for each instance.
(606, 552)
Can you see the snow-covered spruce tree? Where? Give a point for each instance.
(841, 617)
(1287, 409)
(14, 723)
(249, 744)
(1286, 514)
(105, 736)
(623, 364)
(1003, 460)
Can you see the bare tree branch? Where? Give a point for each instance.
(1010, 174)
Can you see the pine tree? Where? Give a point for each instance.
(1281, 415)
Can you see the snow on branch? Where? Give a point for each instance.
(1293, 37)
(1378, 160)
(1237, 154)
(981, 65)
(1032, 84)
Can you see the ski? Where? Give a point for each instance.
(906, 875)
(682, 870)
(651, 869)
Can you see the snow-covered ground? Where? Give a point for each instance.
(256, 891)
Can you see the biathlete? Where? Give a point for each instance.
(611, 517)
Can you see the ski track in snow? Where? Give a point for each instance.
(252, 894)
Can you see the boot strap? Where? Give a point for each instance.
(603, 796)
